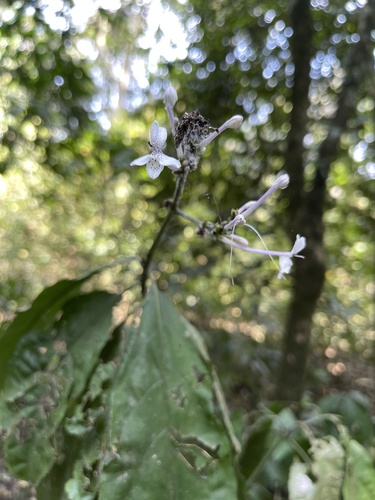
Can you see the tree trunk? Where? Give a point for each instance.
(307, 209)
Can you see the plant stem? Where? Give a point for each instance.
(188, 217)
(172, 210)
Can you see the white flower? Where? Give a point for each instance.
(243, 212)
(285, 258)
(235, 241)
(285, 261)
(157, 160)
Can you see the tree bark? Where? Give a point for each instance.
(307, 208)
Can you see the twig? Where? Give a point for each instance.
(188, 217)
(173, 209)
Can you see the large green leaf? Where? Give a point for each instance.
(29, 448)
(41, 315)
(169, 434)
(74, 476)
(56, 364)
(38, 316)
(85, 328)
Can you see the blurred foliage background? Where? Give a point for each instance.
(80, 84)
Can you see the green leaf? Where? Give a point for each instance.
(51, 368)
(83, 330)
(168, 428)
(269, 449)
(28, 448)
(40, 315)
(354, 410)
(71, 475)
(29, 361)
(359, 481)
(257, 446)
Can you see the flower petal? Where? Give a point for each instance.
(154, 131)
(169, 162)
(285, 266)
(158, 136)
(140, 161)
(299, 244)
(154, 168)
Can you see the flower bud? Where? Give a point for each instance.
(170, 97)
(234, 122)
(282, 181)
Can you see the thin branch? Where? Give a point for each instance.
(173, 207)
(188, 217)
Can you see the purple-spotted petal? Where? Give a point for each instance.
(154, 167)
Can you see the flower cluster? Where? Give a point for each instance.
(192, 133)
(235, 241)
